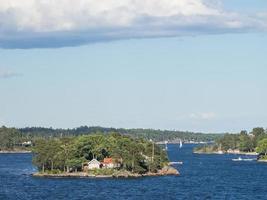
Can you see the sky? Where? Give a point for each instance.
(195, 65)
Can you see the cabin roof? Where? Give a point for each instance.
(108, 160)
(94, 161)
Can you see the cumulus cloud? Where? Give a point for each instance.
(55, 23)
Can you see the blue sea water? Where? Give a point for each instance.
(202, 177)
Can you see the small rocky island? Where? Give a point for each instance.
(100, 156)
(167, 170)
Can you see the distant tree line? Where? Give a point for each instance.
(12, 138)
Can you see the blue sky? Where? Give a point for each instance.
(211, 80)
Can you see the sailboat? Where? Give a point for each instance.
(181, 144)
(178, 162)
(166, 145)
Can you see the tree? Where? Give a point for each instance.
(40, 151)
(246, 143)
(75, 164)
(243, 132)
(9, 138)
(258, 131)
(262, 147)
(259, 134)
(229, 141)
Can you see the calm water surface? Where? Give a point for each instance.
(202, 177)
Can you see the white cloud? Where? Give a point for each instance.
(203, 116)
(41, 23)
(62, 15)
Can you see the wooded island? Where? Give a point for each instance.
(100, 155)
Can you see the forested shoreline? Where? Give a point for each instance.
(17, 139)
(244, 142)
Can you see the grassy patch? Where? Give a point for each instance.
(263, 157)
(103, 171)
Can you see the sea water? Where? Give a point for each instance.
(202, 177)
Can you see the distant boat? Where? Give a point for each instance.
(176, 163)
(243, 159)
(181, 144)
(166, 145)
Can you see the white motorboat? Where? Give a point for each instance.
(243, 159)
(176, 163)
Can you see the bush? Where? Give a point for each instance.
(54, 171)
(263, 157)
(103, 171)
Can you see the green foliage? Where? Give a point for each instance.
(262, 147)
(12, 139)
(155, 135)
(74, 163)
(258, 131)
(69, 154)
(48, 154)
(103, 171)
(259, 134)
(263, 157)
(206, 148)
(229, 141)
(9, 138)
(54, 171)
(244, 142)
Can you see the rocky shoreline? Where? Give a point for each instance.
(15, 151)
(165, 171)
(261, 160)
